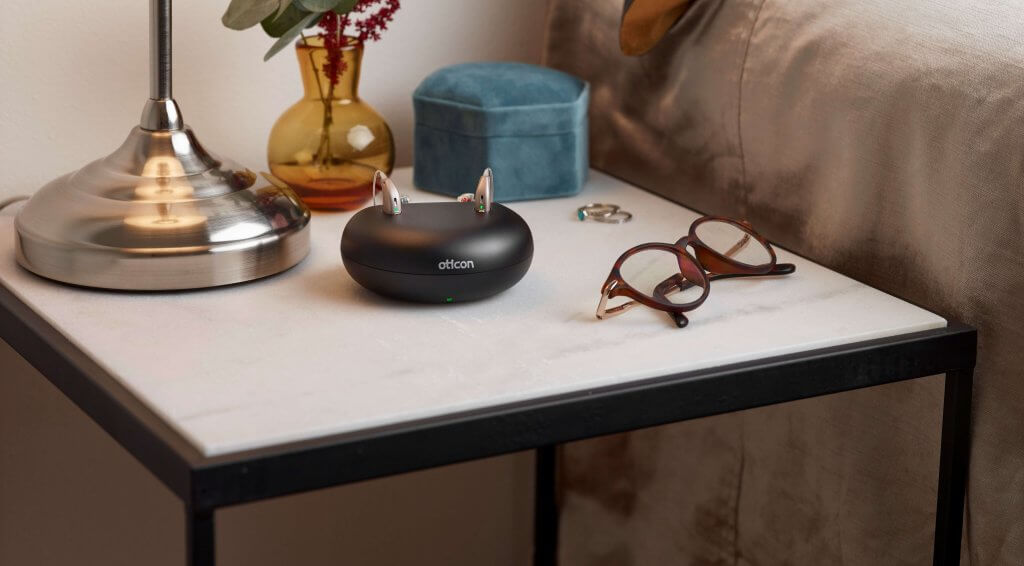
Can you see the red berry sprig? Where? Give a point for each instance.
(332, 33)
(365, 22)
(375, 17)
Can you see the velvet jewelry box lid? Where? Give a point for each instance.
(527, 123)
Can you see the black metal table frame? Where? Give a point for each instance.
(206, 484)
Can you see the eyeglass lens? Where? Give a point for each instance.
(733, 242)
(656, 273)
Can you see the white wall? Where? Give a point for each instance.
(73, 75)
(73, 79)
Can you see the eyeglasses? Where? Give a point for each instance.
(676, 278)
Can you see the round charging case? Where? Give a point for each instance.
(437, 252)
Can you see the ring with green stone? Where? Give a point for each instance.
(596, 210)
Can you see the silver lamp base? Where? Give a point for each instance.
(161, 213)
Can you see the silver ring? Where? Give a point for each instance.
(596, 210)
(617, 217)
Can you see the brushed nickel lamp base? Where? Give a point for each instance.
(161, 213)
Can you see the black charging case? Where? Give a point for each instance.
(437, 252)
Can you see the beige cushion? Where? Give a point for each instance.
(883, 139)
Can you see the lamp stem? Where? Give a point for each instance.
(161, 112)
(160, 49)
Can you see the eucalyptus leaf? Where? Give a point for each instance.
(318, 5)
(243, 14)
(344, 6)
(282, 8)
(277, 26)
(293, 32)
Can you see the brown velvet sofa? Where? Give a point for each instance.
(882, 138)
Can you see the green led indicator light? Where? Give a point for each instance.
(481, 207)
(395, 209)
(448, 299)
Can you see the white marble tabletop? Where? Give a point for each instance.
(310, 353)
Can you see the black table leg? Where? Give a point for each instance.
(545, 511)
(199, 537)
(953, 461)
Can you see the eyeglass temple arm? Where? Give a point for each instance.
(782, 269)
(604, 312)
(677, 283)
(671, 285)
(735, 249)
(777, 269)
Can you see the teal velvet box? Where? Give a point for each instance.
(527, 123)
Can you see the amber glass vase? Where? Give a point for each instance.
(328, 145)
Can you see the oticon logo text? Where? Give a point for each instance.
(455, 264)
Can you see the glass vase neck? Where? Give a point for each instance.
(313, 59)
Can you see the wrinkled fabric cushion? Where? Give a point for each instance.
(527, 123)
(881, 138)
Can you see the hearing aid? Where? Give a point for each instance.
(484, 192)
(391, 200)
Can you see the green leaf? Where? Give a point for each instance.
(344, 6)
(243, 14)
(293, 32)
(282, 8)
(278, 25)
(318, 5)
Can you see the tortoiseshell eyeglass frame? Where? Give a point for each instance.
(698, 269)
